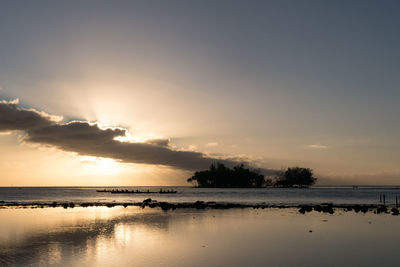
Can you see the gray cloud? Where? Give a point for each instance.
(14, 118)
(89, 139)
(158, 142)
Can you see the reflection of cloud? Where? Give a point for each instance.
(318, 146)
(90, 139)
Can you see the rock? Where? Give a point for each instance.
(147, 200)
(381, 209)
(304, 209)
(395, 211)
(165, 206)
(318, 208)
(364, 209)
(328, 209)
(199, 205)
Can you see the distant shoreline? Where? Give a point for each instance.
(149, 203)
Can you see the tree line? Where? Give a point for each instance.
(218, 175)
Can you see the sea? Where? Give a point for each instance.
(134, 236)
(270, 196)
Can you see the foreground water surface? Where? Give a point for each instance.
(101, 236)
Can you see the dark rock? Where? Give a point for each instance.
(328, 209)
(147, 200)
(395, 211)
(165, 206)
(304, 209)
(381, 209)
(318, 208)
(199, 205)
(364, 209)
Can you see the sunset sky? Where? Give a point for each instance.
(146, 92)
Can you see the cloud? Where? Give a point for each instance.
(212, 144)
(191, 148)
(158, 142)
(14, 118)
(89, 139)
(318, 146)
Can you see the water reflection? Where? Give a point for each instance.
(58, 237)
(150, 237)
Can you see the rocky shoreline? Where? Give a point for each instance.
(149, 203)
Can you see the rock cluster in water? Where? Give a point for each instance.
(150, 203)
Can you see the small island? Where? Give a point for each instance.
(220, 176)
(295, 177)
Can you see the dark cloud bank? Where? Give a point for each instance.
(89, 139)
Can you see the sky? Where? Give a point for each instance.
(146, 92)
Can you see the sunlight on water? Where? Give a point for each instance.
(238, 237)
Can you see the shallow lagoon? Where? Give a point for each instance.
(101, 236)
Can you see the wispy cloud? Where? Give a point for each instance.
(212, 144)
(318, 146)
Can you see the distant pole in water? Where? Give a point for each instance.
(380, 198)
(384, 199)
(397, 202)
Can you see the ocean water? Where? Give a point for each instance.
(101, 236)
(132, 236)
(276, 196)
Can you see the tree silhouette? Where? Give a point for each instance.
(295, 177)
(221, 176)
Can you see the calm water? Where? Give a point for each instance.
(315, 195)
(100, 236)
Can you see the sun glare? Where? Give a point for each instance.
(99, 165)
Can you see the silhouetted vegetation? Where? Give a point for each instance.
(218, 175)
(221, 176)
(295, 177)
